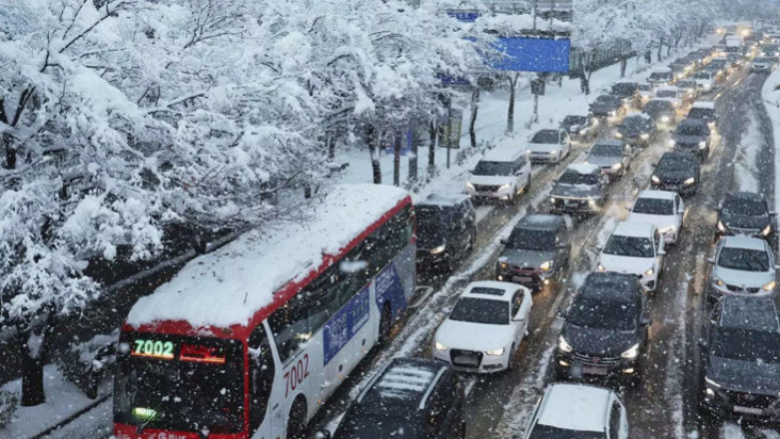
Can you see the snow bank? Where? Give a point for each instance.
(228, 286)
(771, 97)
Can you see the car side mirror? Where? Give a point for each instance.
(554, 181)
(654, 164)
(562, 313)
(446, 310)
(504, 241)
(323, 434)
(646, 321)
(562, 245)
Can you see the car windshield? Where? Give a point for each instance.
(527, 239)
(701, 113)
(484, 311)
(666, 94)
(549, 432)
(546, 136)
(653, 206)
(658, 107)
(686, 84)
(575, 120)
(606, 100)
(574, 177)
(675, 164)
(180, 383)
(629, 246)
(743, 259)
(498, 169)
(702, 75)
(600, 313)
(744, 206)
(602, 150)
(746, 345)
(624, 89)
(432, 221)
(635, 123)
(764, 60)
(645, 87)
(692, 129)
(660, 76)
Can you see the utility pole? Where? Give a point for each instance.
(536, 3)
(448, 131)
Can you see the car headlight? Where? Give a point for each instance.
(547, 266)
(645, 136)
(469, 185)
(552, 200)
(665, 119)
(722, 227)
(669, 229)
(689, 181)
(618, 135)
(595, 122)
(711, 382)
(655, 179)
(631, 353)
(672, 142)
(503, 265)
(505, 186)
(770, 286)
(649, 272)
(766, 231)
(602, 268)
(495, 352)
(583, 131)
(563, 345)
(702, 145)
(617, 166)
(718, 281)
(555, 152)
(613, 113)
(439, 249)
(440, 347)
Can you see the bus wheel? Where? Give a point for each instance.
(297, 420)
(384, 325)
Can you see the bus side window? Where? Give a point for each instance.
(261, 376)
(290, 327)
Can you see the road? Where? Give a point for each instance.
(665, 404)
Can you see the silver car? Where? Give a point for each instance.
(742, 266)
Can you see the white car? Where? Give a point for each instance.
(485, 327)
(670, 93)
(742, 266)
(548, 146)
(501, 175)
(646, 92)
(663, 209)
(635, 248)
(705, 81)
(569, 410)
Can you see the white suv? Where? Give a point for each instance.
(742, 266)
(500, 175)
(549, 146)
(665, 210)
(578, 410)
(635, 248)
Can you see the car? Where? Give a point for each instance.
(745, 213)
(537, 251)
(679, 70)
(706, 112)
(663, 209)
(485, 327)
(762, 65)
(742, 265)
(446, 230)
(735, 60)
(410, 398)
(662, 112)
(646, 92)
(579, 127)
(669, 93)
(689, 89)
(705, 81)
(771, 51)
(580, 189)
(635, 248)
(627, 91)
(741, 360)
(613, 156)
(692, 136)
(661, 76)
(605, 330)
(569, 410)
(501, 175)
(548, 146)
(677, 172)
(718, 66)
(607, 106)
(637, 129)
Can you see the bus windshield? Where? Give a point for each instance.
(179, 383)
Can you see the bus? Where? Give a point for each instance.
(249, 341)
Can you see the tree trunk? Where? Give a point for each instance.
(331, 142)
(35, 341)
(649, 57)
(660, 49)
(372, 139)
(10, 150)
(586, 82)
(473, 120)
(397, 158)
(32, 381)
(510, 116)
(433, 130)
(413, 150)
(623, 66)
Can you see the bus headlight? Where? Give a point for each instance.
(495, 352)
(766, 231)
(440, 347)
(563, 345)
(547, 266)
(438, 250)
(770, 286)
(631, 353)
(689, 181)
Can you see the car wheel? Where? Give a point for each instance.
(511, 360)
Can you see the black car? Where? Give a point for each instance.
(637, 130)
(692, 136)
(706, 112)
(410, 399)
(446, 230)
(606, 329)
(537, 251)
(607, 106)
(677, 172)
(578, 127)
(735, 60)
(580, 189)
(719, 66)
(741, 373)
(662, 112)
(628, 92)
(679, 69)
(745, 213)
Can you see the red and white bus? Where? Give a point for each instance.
(251, 340)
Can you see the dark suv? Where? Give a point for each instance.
(410, 399)
(607, 106)
(628, 92)
(580, 189)
(741, 376)
(677, 172)
(446, 230)
(745, 213)
(692, 136)
(536, 252)
(606, 329)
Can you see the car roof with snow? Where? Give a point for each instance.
(442, 200)
(704, 105)
(610, 286)
(540, 221)
(582, 168)
(752, 313)
(637, 116)
(404, 382)
(576, 407)
(635, 229)
(657, 195)
(502, 155)
(609, 142)
(668, 88)
(491, 290)
(662, 70)
(228, 286)
(691, 122)
(746, 196)
(745, 242)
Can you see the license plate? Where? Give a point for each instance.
(467, 361)
(521, 279)
(571, 203)
(594, 370)
(748, 410)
